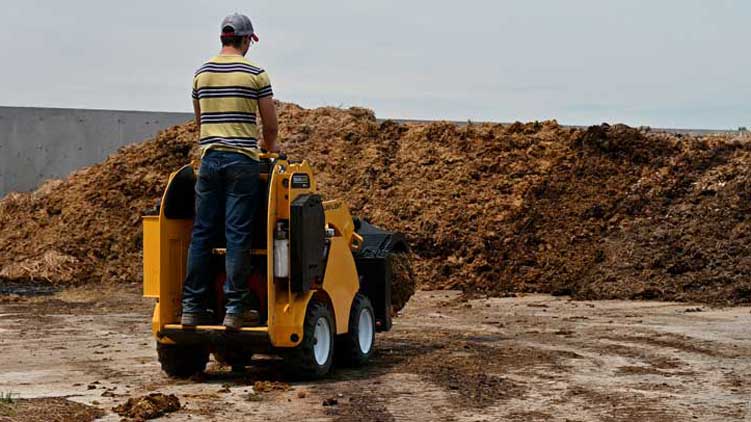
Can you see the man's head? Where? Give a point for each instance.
(237, 32)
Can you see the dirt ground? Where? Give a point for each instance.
(530, 358)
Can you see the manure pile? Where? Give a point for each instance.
(604, 212)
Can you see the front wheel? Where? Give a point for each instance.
(315, 354)
(356, 347)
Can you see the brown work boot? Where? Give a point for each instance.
(245, 319)
(192, 319)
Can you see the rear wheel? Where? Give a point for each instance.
(356, 347)
(182, 361)
(315, 354)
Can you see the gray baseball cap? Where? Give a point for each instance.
(241, 26)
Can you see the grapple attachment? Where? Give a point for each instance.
(385, 272)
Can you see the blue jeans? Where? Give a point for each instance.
(227, 194)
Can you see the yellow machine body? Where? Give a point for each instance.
(165, 251)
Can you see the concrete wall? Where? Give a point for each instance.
(42, 143)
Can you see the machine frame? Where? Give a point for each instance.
(166, 238)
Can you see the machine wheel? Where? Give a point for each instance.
(182, 361)
(356, 347)
(315, 354)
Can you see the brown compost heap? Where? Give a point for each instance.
(604, 212)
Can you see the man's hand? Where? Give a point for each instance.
(270, 124)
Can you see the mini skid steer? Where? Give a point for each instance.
(322, 278)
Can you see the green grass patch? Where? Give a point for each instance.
(6, 404)
(7, 398)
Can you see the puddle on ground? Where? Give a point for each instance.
(27, 288)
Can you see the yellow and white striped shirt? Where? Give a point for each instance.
(228, 88)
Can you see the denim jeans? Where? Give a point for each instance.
(227, 194)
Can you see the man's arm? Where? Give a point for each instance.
(197, 112)
(270, 124)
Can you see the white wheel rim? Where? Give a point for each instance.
(322, 337)
(365, 331)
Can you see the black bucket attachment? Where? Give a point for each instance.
(374, 265)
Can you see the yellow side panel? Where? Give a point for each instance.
(151, 256)
(174, 254)
(155, 320)
(156, 327)
(165, 253)
(286, 309)
(340, 281)
(288, 319)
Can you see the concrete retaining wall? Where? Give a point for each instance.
(37, 144)
(43, 143)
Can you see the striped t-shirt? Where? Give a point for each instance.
(228, 88)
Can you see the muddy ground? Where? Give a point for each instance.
(531, 358)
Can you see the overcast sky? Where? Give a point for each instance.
(664, 63)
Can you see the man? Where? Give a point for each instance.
(229, 92)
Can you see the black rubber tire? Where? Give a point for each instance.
(348, 351)
(182, 361)
(301, 360)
